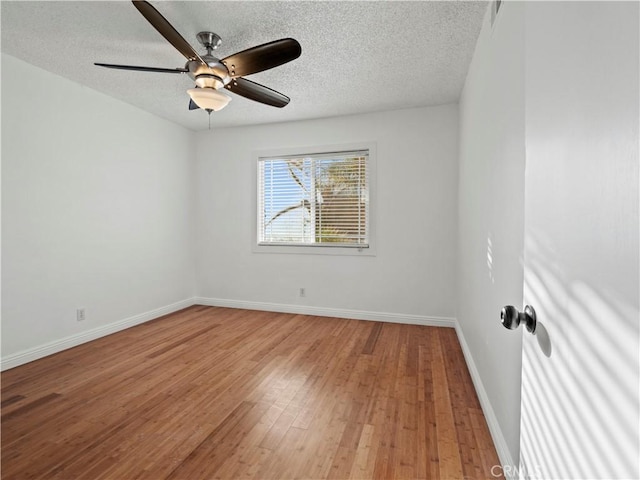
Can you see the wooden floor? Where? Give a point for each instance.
(223, 393)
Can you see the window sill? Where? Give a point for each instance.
(315, 250)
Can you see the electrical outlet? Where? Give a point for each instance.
(303, 293)
(80, 315)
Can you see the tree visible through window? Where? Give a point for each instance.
(320, 199)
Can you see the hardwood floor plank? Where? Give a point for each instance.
(362, 467)
(214, 449)
(449, 461)
(11, 400)
(222, 393)
(27, 408)
(373, 339)
(182, 341)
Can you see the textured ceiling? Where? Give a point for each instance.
(356, 56)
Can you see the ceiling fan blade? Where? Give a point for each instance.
(165, 29)
(257, 92)
(192, 105)
(142, 69)
(262, 57)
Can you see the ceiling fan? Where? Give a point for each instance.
(211, 74)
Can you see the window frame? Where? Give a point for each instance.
(317, 249)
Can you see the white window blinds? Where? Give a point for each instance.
(320, 199)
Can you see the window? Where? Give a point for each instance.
(319, 199)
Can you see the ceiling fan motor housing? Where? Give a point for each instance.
(212, 75)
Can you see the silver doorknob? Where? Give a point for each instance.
(512, 318)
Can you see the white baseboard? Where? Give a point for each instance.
(492, 421)
(330, 312)
(56, 346)
(31, 354)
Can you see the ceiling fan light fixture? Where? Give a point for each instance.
(209, 98)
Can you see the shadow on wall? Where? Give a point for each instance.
(544, 340)
(580, 399)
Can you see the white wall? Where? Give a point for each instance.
(491, 224)
(96, 210)
(413, 272)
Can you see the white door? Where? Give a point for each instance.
(580, 391)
